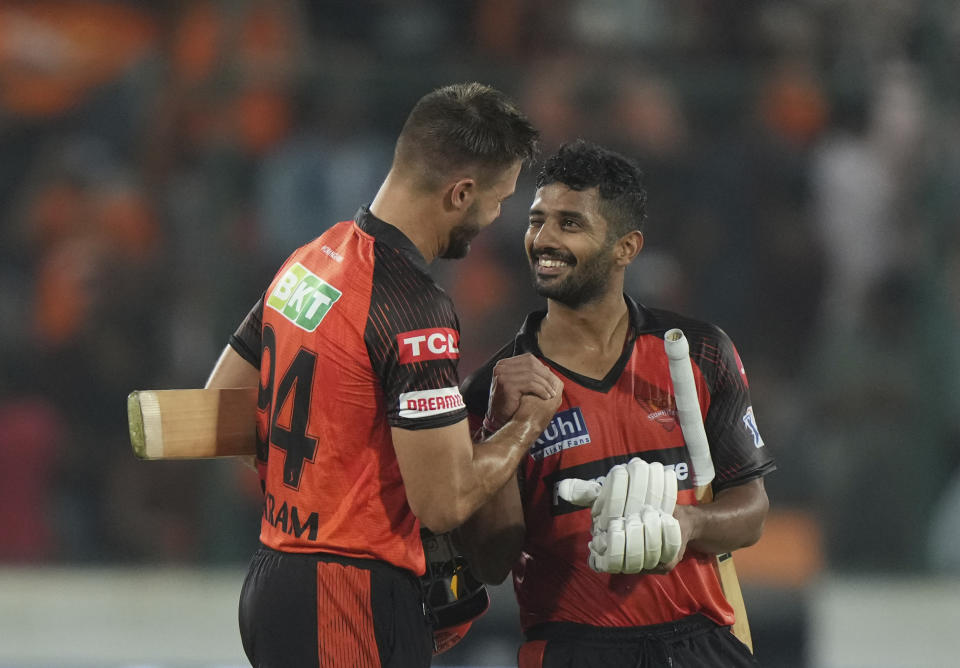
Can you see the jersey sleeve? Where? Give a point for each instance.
(246, 340)
(413, 339)
(476, 388)
(738, 450)
(476, 391)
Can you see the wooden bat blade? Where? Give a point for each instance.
(731, 589)
(730, 583)
(192, 424)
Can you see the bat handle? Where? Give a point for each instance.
(688, 406)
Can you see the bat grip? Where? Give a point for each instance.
(688, 406)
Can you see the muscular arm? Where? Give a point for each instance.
(231, 370)
(734, 519)
(493, 536)
(448, 478)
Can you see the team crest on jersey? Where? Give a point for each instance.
(302, 297)
(657, 402)
(751, 424)
(567, 429)
(666, 417)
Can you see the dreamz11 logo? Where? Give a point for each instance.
(567, 429)
(302, 297)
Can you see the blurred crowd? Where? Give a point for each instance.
(158, 160)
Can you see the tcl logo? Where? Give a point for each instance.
(422, 345)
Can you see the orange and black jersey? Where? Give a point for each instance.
(629, 413)
(352, 337)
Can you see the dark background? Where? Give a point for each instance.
(158, 160)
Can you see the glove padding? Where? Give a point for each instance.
(634, 543)
(625, 490)
(632, 506)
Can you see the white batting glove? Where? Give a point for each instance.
(635, 543)
(624, 490)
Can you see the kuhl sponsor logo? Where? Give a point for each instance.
(423, 345)
(427, 403)
(302, 297)
(567, 429)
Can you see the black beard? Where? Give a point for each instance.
(459, 242)
(586, 281)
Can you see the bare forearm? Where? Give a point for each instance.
(494, 464)
(448, 478)
(446, 483)
(493, 536)
(496, 459)
(524, 397)
(734, 519)
(231, 370)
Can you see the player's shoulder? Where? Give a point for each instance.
(404, 297)
(325, 247)
(401, 279)
(710, 347)
(658, 321)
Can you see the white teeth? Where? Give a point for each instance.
(543, 262)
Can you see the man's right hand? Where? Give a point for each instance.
(625, 490)
(646, 541)
(522, 387)
(633, 528)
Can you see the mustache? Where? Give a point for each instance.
(553, 254)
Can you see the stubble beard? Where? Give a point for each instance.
(458, 244)
(586, 281)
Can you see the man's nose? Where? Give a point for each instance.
(545, 237)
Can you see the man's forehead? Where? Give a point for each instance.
(562, 197)
(507, 183)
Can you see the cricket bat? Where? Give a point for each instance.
(192, 424)
(695, 436)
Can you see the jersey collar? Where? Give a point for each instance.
(526, 342)
(386, 233)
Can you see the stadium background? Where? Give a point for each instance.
(159, 159)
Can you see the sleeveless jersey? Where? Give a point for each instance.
(352, 337)
(600, 423)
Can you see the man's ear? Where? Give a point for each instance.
(461, 193)
(628, 247)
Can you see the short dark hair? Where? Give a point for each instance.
(464, 125)
(581, 165)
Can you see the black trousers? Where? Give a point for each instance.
(323, 610)
(694, 642)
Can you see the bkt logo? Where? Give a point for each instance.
(302, 297)
(423, 345)
(567, 429)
